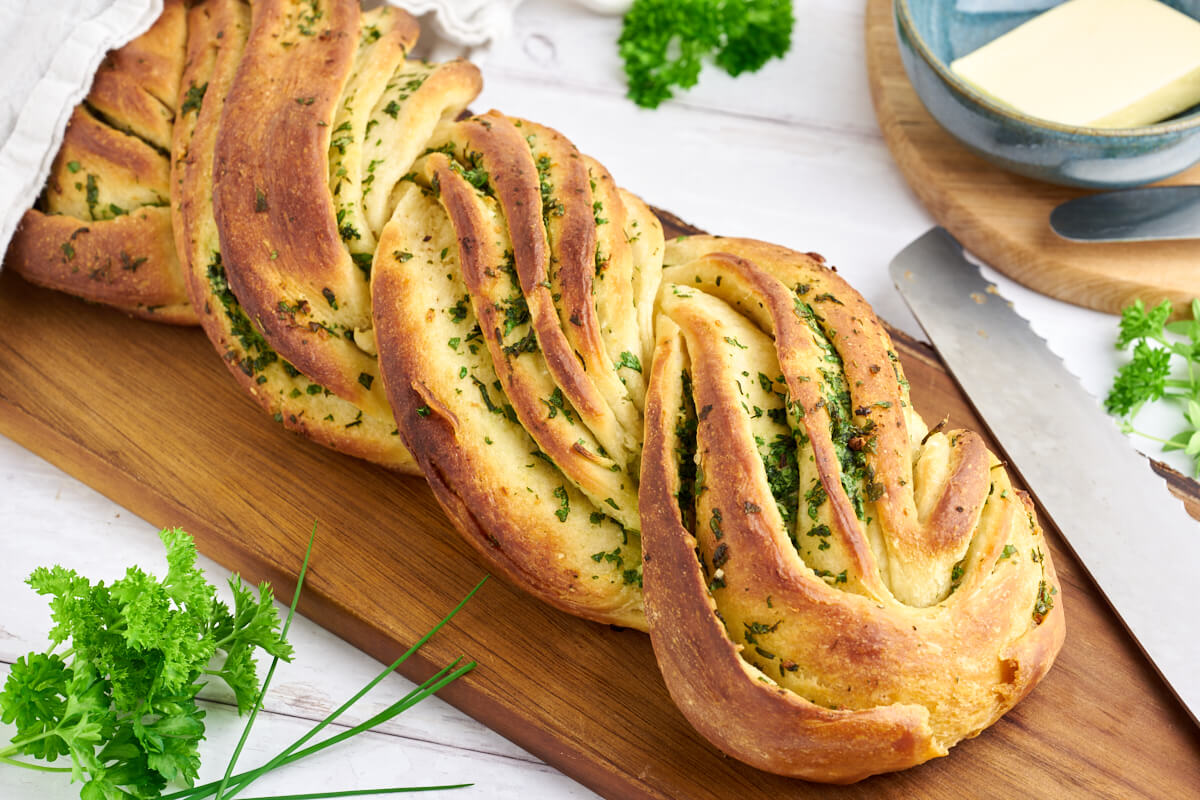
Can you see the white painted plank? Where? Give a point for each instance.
(820, 83)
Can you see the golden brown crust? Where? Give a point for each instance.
(539, 376)
(154, 58)
(530, 445)
(524, 516)
(117, 96)
(323, 118)
(127, 262)
(101, 172)
(576, 352)
(830, 652)
(505, 156)
(135, 87)
(278, 227)
(218, 31)
(320, 120)
(417, 102)
(101, 230)
(746, 715)
(616, 271)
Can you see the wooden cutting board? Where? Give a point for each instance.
(147, 415)
(1004, 218)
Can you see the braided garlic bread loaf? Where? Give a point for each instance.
(102, 228)
(709, 439)
(832, 590)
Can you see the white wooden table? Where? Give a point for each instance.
(791, 155)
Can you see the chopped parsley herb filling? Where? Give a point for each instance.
(192, 99)
(685, 454)
(256, 353)
(564, 504)
(629, 361)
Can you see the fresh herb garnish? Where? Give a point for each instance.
(1158, 346)
(564, 503)
(663, 42)
(120, 700)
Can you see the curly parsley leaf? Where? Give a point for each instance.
(252, 624)
(1140, 381)
(185, 582)
(664, 42)
(755, 32)
(1161, 350)
(121, 702)
(1138, 323)
(35, 700)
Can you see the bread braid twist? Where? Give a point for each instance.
(512, 350)
(862, 593)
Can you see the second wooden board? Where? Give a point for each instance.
(1004, 218)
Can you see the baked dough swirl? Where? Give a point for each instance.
(511, 291)
(310, 115)
(832, 590)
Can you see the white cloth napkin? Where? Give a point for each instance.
(465, 23)
(49, 50)
(469, 27)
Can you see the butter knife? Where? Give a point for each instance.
(1130, 215)
(1134, 538)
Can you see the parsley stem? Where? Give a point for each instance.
(17, 744)
(258, 702)
(1149, 436)
(360, 792)
(27, 765)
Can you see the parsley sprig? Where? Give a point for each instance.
(120, 700)
(1160, 349)
(664, 42)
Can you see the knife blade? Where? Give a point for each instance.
(1130, 215)
(1135, 539)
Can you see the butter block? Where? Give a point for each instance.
(1093, 63)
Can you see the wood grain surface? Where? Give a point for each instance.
(1004, 218)
(147, 415)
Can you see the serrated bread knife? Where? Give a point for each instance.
(1132, 536)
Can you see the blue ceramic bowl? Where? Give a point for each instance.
(932, 33)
